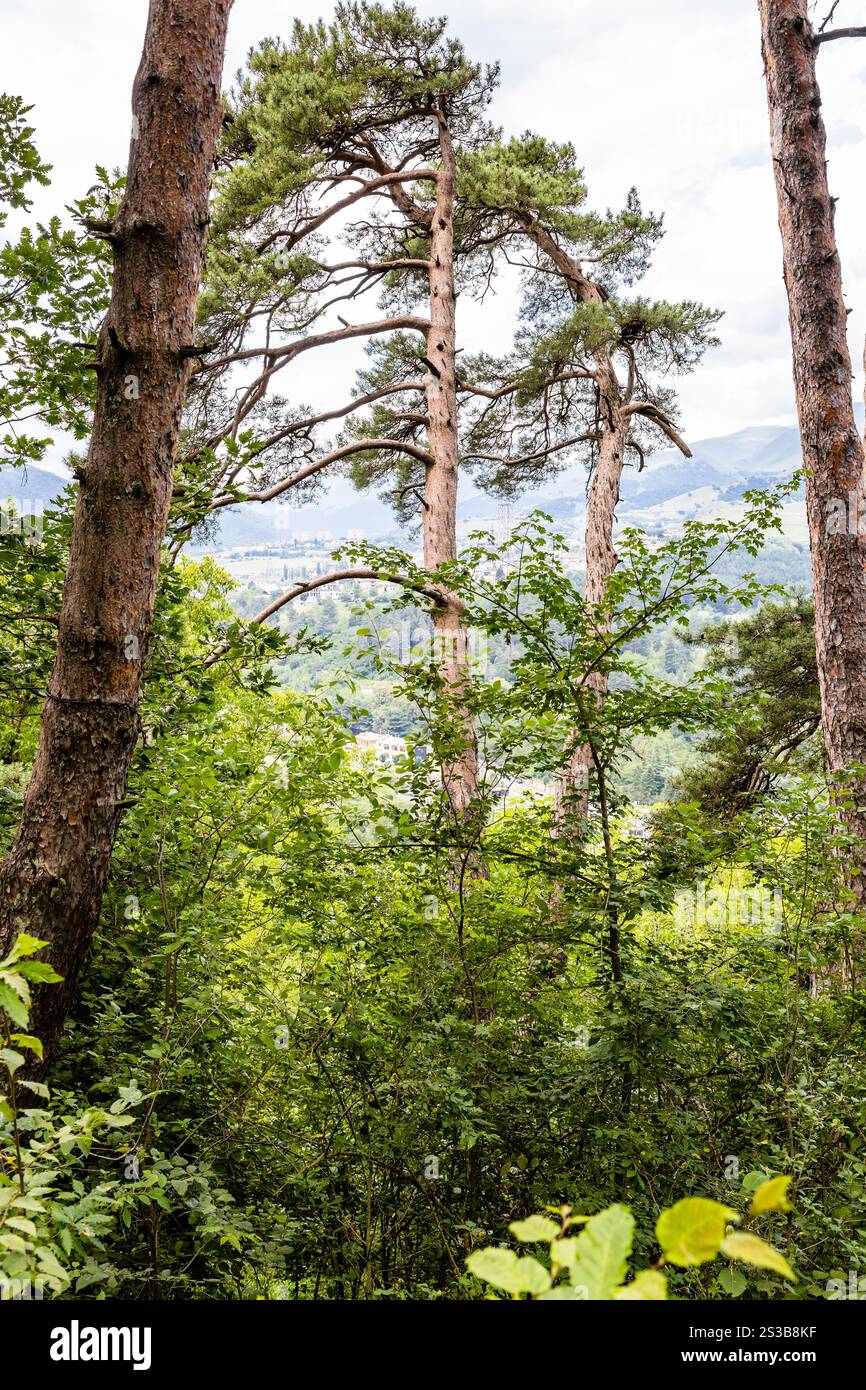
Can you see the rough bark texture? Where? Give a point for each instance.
(53, 880)
(832, 448)
(601, 561)
(460, 773)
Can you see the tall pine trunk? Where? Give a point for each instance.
(460, 763)
(832, 448)
(572, 786)
(53, 880)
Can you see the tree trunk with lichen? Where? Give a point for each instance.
(451, 641)
(52, 883)
(832, 448)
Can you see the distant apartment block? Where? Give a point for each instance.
(388, 747)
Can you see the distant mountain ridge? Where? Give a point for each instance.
(26, 486)
(729, 463)
(668, 489)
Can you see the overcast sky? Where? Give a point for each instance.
(664, 94)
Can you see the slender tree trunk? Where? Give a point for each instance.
(460, 765)
(573, 782)
(52, 883)
(832, 448)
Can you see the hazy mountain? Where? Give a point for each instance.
(668, 489)
(29, 486)
(671, 486)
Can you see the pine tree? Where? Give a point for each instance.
(388, 106)
(53, 880)
(592, 364)
(769, 711)
(832, 448)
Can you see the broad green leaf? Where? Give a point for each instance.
(603, 1248)
(733, 1281)
(38, 1087)
(14, 980)
(23, 945)
(40, 971)
(505, 1270)
(535, 1228)
(564, 1251)
(533, 1276)
(26, 945)
(495, 1266)
(753, 1180)
(691, 1231)
(20, 1223)
(11, 1059)
(49, 1264)
(771, 1196)
(742, 1245)
(13, 1005)
(650, 1286)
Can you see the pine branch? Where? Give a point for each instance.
(357, 446)
(310, 421)
(385, 182)
(539, 454)
(859, 32)
(334, 335)
(657, 417)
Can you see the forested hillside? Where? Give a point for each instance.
(469, 909)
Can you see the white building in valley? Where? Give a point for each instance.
(388, 747)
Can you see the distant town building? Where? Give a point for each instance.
(388, 747)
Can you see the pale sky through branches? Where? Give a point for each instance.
(664, 94)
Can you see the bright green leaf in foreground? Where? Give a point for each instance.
(648, 1286)
(743, 1245)
(691, 1232)
(771, 1196)
(534, 1228)
(603, 1248)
